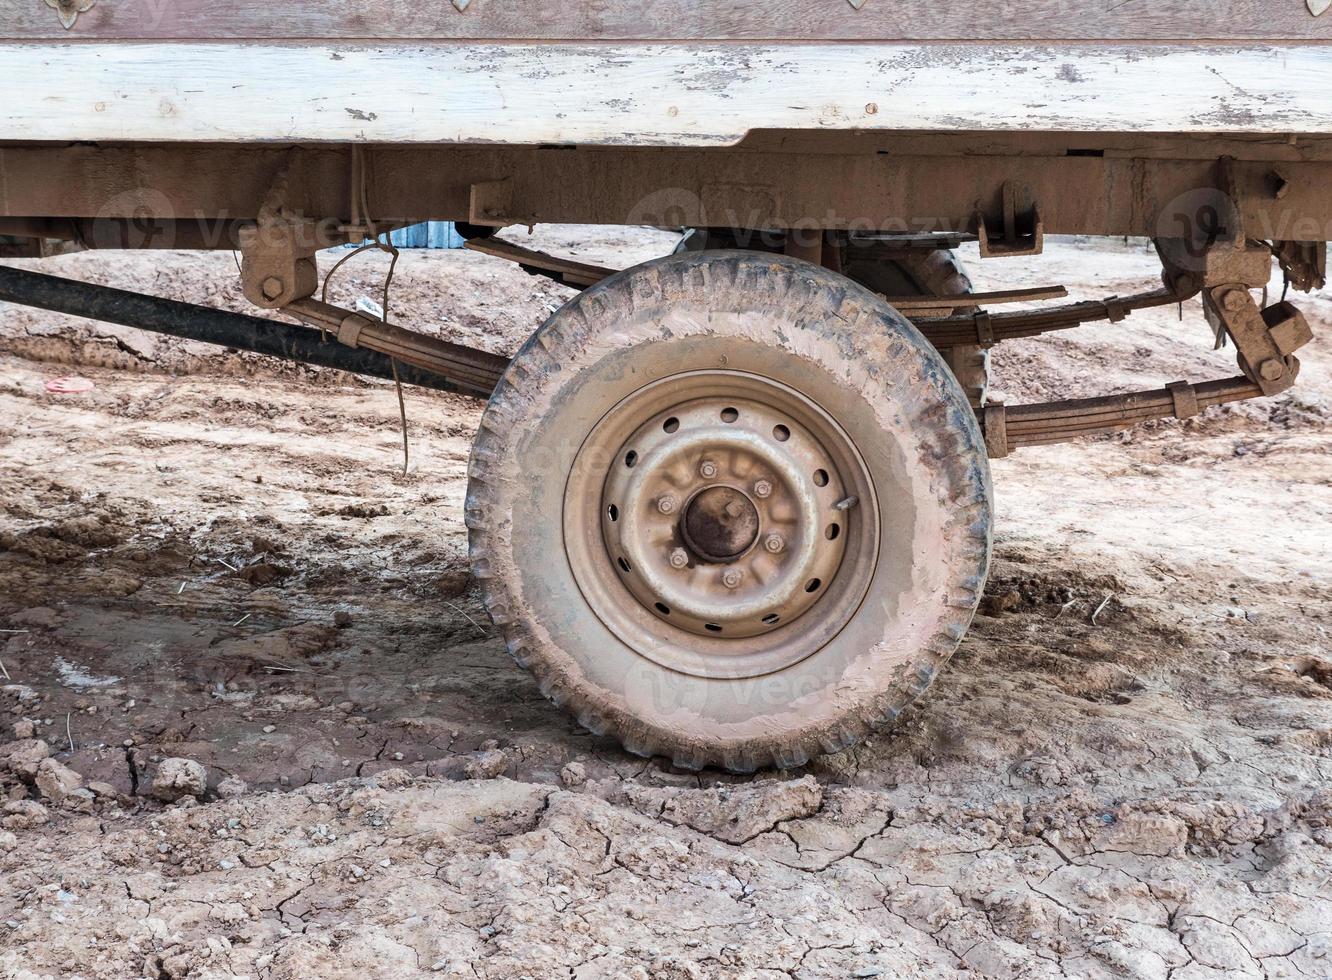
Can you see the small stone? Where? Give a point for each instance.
(56, 781)
(24, 815)
(1000, 603)
(342, 619)
(486, 765)
(574, 774)
(24, 729)
(226, 865)
(232, 787)
(102, 789)
(23, 757)
(270, 729)
(176, 778)
(7, 841)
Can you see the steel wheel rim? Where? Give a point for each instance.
(657, 520)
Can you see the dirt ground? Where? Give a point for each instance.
(257, 724)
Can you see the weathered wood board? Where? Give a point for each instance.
(646, 94)
(682, 20)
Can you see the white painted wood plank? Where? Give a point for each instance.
(645, 94)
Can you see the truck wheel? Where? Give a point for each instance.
(730, 508)
(923, 272)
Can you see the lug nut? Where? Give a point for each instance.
(273, 287)
(666, 504)
(774, 543)
(679, 558)
(707, 469)
(732, 577)
(762, 489)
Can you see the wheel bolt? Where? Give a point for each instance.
(732, 577)
(774, 543)
(679, 558)
(707, 469)
(666, 504)
(762, 489)
(1271, 369)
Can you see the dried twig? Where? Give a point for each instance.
(5, 672)
(1066, 607)
(241, 620)
(226, 563)
(68, 734)
(463, 613)
(1101, 608)
(15, 631)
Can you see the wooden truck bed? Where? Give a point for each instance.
(659, 72)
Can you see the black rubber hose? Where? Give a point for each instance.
(206, 325)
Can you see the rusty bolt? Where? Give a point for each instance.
(273, 287)
(1272, 369)
(1235, 300)
(762, 489)
(707, 469)
(774, 543)
(679, 558)
(666, 504)
(732, 577)
(1184, 284)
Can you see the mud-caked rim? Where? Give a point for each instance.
(714, 522)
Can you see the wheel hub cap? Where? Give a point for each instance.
(721, 524)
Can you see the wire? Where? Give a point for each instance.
(361, 196)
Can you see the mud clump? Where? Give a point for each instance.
(176, 778)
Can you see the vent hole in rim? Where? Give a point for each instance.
(672, 424)
(771, 618)
(832, 531)
(664, 609)
(820, 476)
(712, 627)
(630, 458)
(624, 565)
(781, 433)
(813, 585)
(613, 512)
(730, 414)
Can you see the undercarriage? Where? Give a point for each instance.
(732, 505)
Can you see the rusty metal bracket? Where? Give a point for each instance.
(1018, 231)
(491, 204)
(277, 251)
(1265, 339)
(1303, 263)
(68, 10)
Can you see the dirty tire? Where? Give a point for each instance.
(923, 272)
(766, 320)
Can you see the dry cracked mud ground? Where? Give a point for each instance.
(1125, 771)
